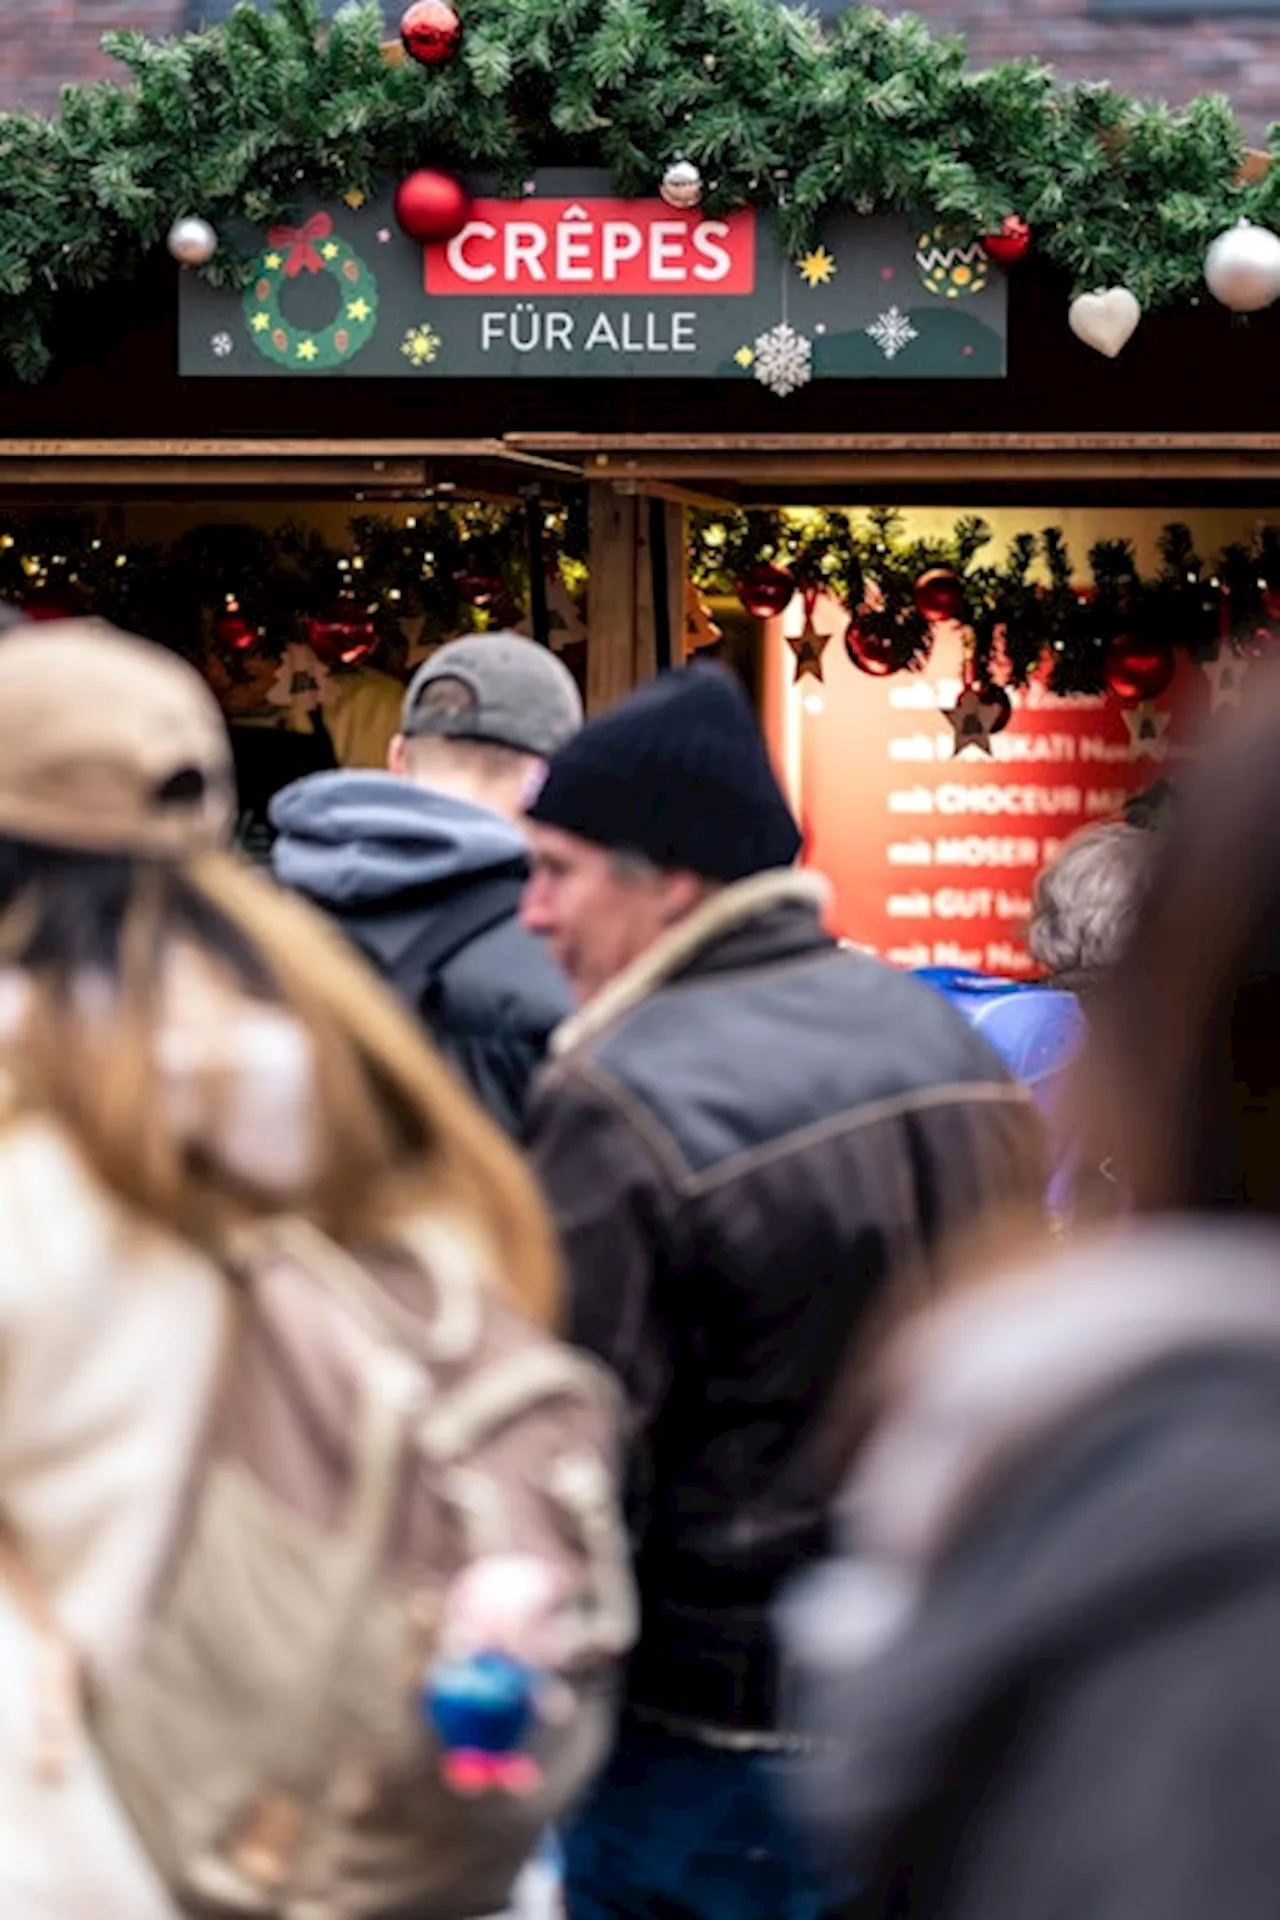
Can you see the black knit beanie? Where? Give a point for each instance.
(679, 773)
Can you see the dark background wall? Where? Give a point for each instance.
(1170, 49)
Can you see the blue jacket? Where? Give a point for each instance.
(1038, 1032)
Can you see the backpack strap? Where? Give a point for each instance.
(471, 911)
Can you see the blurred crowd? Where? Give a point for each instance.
(517, 1345)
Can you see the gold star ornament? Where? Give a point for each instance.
(974, 720)
(745, 358)
(807, 647)
(818, 268)
(354, 199)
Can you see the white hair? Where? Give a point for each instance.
(1087, 900)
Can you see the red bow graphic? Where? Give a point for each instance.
(300, 242)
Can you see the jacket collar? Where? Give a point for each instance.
(723, 913)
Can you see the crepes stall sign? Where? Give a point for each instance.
(571, 282)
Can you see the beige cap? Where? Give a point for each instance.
(110, 744)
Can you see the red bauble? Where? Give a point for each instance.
(343, 635)
(431, 32)
(52, 605)
(765, 590)
(234, 632)
(881, 643)
(1138, 669)
(431, 207)
(477, 589)
(939, 596)
(1008, 246)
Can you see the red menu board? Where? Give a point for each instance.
(932, 854)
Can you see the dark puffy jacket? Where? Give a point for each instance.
(1045, 1683)
(395, 864)
(742, 1139)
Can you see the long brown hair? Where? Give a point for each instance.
(1182, 1083)
(396, 1135)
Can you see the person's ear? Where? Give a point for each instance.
(681, 893)
(395, 755)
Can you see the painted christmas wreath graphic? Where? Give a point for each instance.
(312, 248)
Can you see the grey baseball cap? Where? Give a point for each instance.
(496, 687)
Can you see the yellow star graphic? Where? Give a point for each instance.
(817, 268)
(354, 199)
(744, 357)
(273, 260)
(331, 250)
(420, 346)
(260, 322)
(307, 349)
(358, 310)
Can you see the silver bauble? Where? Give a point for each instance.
(1242, 268)
(681, 185)
(192, 241)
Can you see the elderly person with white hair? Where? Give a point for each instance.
(1086, 903)
(1084, 907)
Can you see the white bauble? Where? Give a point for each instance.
(681, 185)
(1242, 268)
(192, 241)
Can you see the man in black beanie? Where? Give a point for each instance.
(744, 1131)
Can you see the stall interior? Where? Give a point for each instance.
(950, 694)
(949, 691)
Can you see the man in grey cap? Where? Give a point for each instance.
(423, 866)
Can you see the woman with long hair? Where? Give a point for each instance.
(184, 1053)
(1043, 1681)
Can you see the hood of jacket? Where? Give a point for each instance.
(351, 840)
(1065, 1456)
(236, 1076)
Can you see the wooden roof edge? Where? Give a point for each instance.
(603, 449)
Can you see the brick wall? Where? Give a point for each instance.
(44, 43)
(1167, 59)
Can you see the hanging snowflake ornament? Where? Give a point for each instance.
(892, 331)
(303, 682)
(783, 360)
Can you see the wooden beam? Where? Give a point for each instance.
(346, 476)
(794, 463)
(621, 608)
(378, 452)
(611, 597)
(604, 447)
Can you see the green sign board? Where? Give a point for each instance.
(569, 282)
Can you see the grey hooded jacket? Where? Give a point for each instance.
(388, 860)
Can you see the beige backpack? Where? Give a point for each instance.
(376, 1431)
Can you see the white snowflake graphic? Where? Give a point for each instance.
(222, 344)
(784, 359)
(892, 332)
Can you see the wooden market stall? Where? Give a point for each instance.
(722, 264)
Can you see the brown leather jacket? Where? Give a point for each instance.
(742, 1138)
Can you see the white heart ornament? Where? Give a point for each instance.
(1104, 321)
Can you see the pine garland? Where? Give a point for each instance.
(1033, 612)
(241, 120)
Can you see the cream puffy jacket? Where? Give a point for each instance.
(110, 1335)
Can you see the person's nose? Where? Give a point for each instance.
(535, 905)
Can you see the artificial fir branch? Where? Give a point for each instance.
(243, 119)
